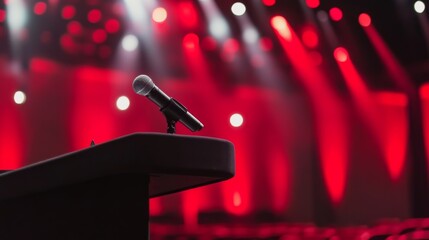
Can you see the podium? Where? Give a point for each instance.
(103, 191)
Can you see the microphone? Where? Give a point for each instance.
(172, 109)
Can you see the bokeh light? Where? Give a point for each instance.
(130, 43)
(364, 20)
(39, 8)
(310, 38)
(19, 97)
(74, 28)
(312, 3)
(99, 36)
(191, 41)
(269, 3)
(336, 14)
(112, 26)
(2, 15)
(236, 120)
(238, 8)
(68, 12)
(419, 6)
(219, 28)
(123, 103)
(94, 16)
(340, 54)
(159, 15)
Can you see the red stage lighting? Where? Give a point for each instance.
(312, 3)
(310, 38)
(316, 57)
(336, 14)
(280, 24)
(209, 43)
(188, 14)
(191, 41)
(332, 137)
(99, 36)
(341, 54)
(364, 20)
(2, 15)
(266, 44)
(269, 3)
(39, 8)
(74, 27)
(112, 26)
(68, 12)
(94, 16)
(230, 48)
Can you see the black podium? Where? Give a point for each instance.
(102, 192)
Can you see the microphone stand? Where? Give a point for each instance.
(173, 112)
(171, 125)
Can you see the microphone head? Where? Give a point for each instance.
(142, 85)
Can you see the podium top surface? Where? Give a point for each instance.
(173, 162)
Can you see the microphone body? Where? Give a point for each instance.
(171, 108)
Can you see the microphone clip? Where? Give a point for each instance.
(173, 112)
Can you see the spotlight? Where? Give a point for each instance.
(310, 38)
(16, 15)
(341, 54)
(364, 20)
(280, 24)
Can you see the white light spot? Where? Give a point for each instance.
(16, 14)
(130, 43)
(238, 8)
(19, 97)
(236, 120)
(250, 35)
(419, 6)
(134, 9)
(219, 28)
(159, 15)
(123, 103)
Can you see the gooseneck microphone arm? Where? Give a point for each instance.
(171, 108)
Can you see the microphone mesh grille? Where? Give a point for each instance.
(143, 85)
